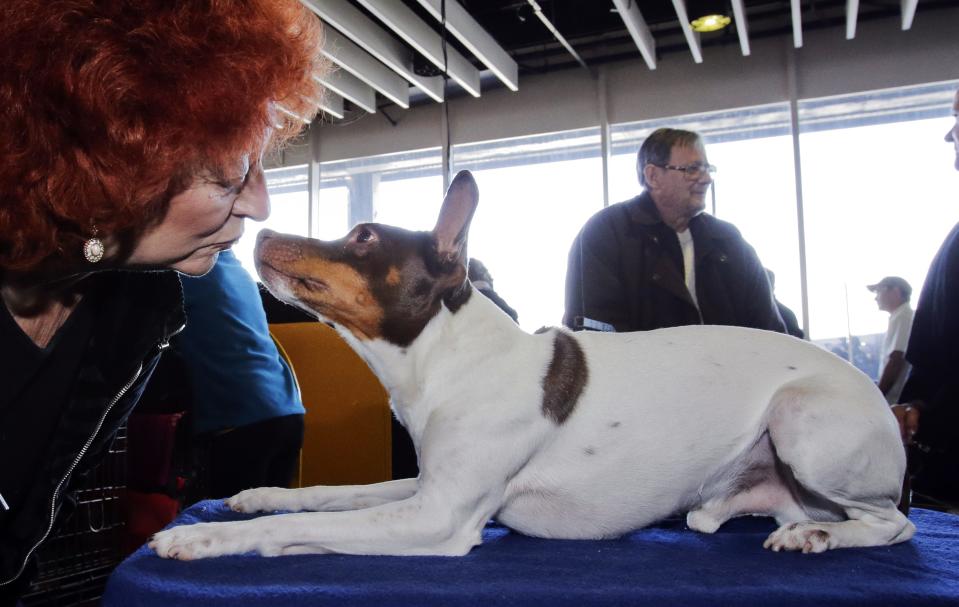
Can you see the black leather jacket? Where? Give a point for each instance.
(626, 270)
(138, 314)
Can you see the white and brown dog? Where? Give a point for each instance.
(564, 435)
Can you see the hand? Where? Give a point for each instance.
(908, 417)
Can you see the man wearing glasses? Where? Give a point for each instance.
(658, 261)
(929, 415)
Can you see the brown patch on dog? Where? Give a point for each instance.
(565, 378)
(393, 277)
(331, 288)
(347, 300)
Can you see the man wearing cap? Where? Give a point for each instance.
(929, 413)
(892, 295)
(658, 261)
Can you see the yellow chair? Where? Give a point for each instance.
(347, 437)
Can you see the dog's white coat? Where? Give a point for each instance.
(710, 420)
(669, 421)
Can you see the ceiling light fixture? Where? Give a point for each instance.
(708, 15)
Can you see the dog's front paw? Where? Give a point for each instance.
(262, 499)
(203, 540)
(808, 537)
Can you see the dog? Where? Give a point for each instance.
(563, 435)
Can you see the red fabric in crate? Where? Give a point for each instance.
(146, 514)
(151, 438)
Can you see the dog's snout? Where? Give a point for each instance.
(265, 234)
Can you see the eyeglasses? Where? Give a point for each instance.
(692, 171)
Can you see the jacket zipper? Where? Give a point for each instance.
(163, 345)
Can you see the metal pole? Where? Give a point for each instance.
(793, 85)
(605, 145)
(313, 182)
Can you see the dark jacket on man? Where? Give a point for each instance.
(626, 270)
(61, 414)
(933, 352)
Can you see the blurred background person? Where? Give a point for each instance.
(892, 295)
(788, 316)
(483, 281)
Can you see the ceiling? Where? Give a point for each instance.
(390, 53)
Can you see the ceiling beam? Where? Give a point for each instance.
(349, 87)
(797, 23)
(476, 39)
(739, 14)
(376, 41)
(692, 38)
(283, 110)
(908, 13)
(852, 14)
(343, 52)
(332, 104)
(538, 11)
(396, 16)
(629, 11)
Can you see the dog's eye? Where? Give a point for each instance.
(364, 235)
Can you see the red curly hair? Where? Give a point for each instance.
(109, 107)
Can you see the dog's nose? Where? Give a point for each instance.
(265, 234)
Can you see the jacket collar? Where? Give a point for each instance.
(706, 229)
(137, 310)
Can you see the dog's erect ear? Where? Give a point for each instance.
(455, 216)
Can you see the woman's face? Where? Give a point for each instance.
(204, 219)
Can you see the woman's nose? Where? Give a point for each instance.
(254, 200)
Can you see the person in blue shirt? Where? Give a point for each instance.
(247, 409)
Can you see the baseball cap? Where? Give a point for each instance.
(893, 282)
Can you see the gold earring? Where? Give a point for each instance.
(93, 248)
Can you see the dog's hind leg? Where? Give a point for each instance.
(322, 498)
(844, 452)
(753, 486)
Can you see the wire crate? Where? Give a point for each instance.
(73, 564)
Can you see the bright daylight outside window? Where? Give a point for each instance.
(877, 191)
(403, 190)
(289, 211)
(535, 194)
(409, 202)
(331, 214)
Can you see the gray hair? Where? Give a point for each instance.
(658, 147)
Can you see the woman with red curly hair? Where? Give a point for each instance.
(133, 133)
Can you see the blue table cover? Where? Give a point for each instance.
(663, 565)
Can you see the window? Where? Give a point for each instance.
(877, 201)
(878, 197)
(404, 190)
(331, 220)
(412, 202)
(535, 195)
